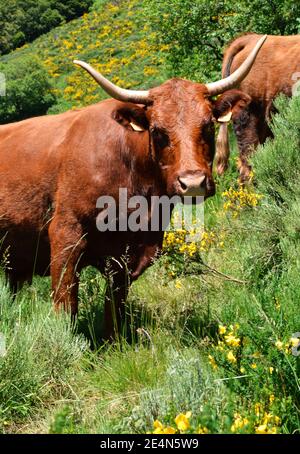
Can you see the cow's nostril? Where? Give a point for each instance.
(182, 184)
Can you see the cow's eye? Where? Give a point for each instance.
(160, 138)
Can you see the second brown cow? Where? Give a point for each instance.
(276, 70)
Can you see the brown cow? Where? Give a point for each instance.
(54, 168)
(275, 71)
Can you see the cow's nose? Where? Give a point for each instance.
(192, 185)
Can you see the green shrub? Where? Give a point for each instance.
(41, 352)
(187, 387)
(28, 90)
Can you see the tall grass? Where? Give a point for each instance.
(40, 358)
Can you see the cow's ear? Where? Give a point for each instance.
(132, 117)
(229, 105)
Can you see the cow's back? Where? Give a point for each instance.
(30, 156)
(36, 153)
(274, 68)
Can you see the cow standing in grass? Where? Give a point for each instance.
(276, 70)
(54, 168)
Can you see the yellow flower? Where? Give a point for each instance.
(178, 284)
(231, 357)
(238, 199)
(203, 430)
(182, 421)
(192, 249)
(271, 398)
(157, 424)
(294, 341)
(239, 422)
(149, 71)
(253, 365)
(220, 346)
(169, 430)
(257, 408)
(262, 429)
(222, 329)
(277, 420)
(242, 370)
(212, 362)
(279, 345)
(158, 431)
(271, 369)
(267, 418)
(232, 340)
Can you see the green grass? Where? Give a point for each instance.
(60, 379)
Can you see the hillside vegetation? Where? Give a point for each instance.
(213, 323)
(116, 39)
(22, 21)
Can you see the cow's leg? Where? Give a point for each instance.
(246, 128)
(16, 281)
(116, 295)
(67, 246)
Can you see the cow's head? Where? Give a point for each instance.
(180, 116)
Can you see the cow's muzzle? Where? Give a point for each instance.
(192, 184)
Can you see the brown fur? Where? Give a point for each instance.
(271, 74)
(54, 168)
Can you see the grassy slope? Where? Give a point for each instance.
(115, 38)
(49, 378)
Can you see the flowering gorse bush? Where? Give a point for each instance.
(176, 241)
(183, 425)
(238, 199)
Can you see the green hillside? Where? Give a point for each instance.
(213, 322)
(115, 38)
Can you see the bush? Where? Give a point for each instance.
(187, 387)
(41, 355)
(28, 90)
(24, 20)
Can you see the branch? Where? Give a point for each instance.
(225, 276)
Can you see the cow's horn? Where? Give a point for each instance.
(235, 78)
(135, 96)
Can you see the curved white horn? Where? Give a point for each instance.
(134, 96)
(235, 78)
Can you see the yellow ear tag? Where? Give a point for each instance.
(225, 118)
(136, 127)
